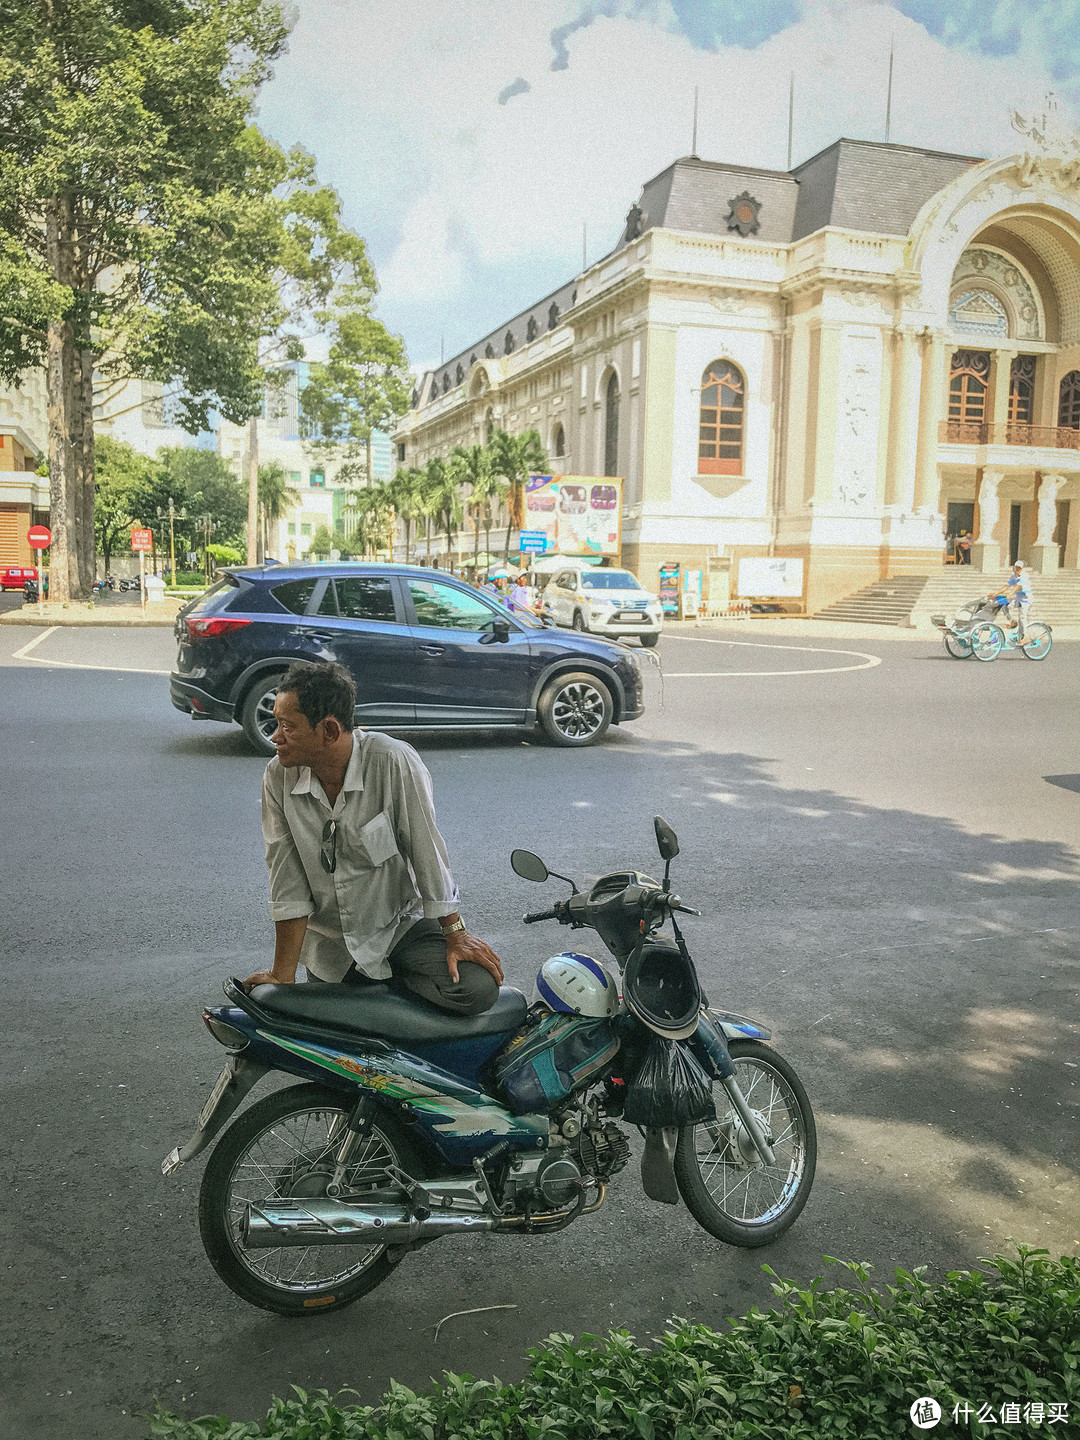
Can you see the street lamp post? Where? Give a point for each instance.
(207, 526)
(173, 515)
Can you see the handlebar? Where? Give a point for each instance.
(532, 919)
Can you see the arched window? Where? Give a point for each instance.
(1022, 390)
(967, 386)
(611, 426)
(558, 442)
(1069, 401)
(721, 420)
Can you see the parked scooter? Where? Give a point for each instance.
(413, 1124)
(132, 584)
(30, 590)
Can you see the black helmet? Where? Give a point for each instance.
(660, 987)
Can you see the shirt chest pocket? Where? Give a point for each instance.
(377, 839)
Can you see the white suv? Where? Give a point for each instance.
(605, 602)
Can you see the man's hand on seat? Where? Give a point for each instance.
(267, 977)
(461, 946)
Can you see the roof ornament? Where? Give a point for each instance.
(635, 218)
(743, 215)
(1053, 152)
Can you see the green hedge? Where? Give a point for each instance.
(829, 1364)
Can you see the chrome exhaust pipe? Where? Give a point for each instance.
(274, 1224)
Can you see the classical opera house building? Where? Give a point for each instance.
(846, 363)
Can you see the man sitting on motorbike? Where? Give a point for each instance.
(360, 882)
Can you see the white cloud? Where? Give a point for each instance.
(473, 208)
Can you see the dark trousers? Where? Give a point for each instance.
(418, 961)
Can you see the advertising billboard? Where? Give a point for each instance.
(575, 514)
(768, 578)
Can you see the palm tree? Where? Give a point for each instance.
(274, 500)
(514, 458)
(408, 497)
(434, 472)
(476, 472)
(450, 509)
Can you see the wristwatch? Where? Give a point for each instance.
(453, 929)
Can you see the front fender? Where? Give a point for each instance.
(568, 663)
(738, 1027)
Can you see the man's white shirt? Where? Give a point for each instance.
(392, 866)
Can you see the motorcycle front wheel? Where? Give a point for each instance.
(727, 1189)
(285, 1145)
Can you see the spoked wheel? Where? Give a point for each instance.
(285, 1146)
(576, 710)
(257, 714)
(1037, 641)
(987, 640)
(727, 1189)
(954, 646)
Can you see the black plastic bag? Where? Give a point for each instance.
(670, 1088)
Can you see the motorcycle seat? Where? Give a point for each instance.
(384, 1012)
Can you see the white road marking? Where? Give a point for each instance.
(24, 654)
(867, 662)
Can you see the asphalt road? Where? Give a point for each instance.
(887, 858)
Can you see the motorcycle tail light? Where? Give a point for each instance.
(208, 629)
(227, 1035)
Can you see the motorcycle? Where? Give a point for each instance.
(129, 584)
(412, 1124)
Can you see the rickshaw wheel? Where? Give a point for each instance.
(987, 641)
(1037, 641)
(956, 648)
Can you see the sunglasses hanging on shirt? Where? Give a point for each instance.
(328, 855)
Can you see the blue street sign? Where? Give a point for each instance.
(533, 542)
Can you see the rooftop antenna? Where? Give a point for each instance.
(693, 142)
(790, 116)
(888, 102)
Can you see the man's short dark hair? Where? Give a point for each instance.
(322, 689)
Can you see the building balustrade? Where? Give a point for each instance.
(1012, 432)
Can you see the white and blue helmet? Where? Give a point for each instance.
(576, 985)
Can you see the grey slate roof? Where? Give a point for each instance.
(853, 184)
(861, 185)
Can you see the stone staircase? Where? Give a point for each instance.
(1056, 596)
(912, 599)
(886, 602)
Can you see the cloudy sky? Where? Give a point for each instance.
(470, 139)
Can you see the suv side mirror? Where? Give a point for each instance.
(499, 633)
(667, 842)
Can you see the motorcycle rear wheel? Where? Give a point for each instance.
(720, 1175)
(282, 1146)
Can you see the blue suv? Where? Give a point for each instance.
(426, 651)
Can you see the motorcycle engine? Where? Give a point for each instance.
(601, 1150)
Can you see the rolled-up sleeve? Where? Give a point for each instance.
(419, 838)
(290, 893)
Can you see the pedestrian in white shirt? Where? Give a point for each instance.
(1018, 591)
(360, 882)
(519, 596)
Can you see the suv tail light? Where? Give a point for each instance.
(208, 629)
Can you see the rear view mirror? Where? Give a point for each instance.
(528, 866)
(667, 842)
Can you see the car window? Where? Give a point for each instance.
(295, 594)
(448, 608)
(211, 599)
(609, 580)
(360, 597)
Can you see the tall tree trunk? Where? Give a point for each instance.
(427, 538)
(84, 471)
(60, 347)
(476, 547)
(253, 492)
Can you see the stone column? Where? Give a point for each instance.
(1045, 555)
(986, 551)
(903, 422)
(931, 412)
(1000, 380)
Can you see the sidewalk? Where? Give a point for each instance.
(163, 613)
(796, 627)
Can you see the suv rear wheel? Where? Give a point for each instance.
(257, 713)
(576, 709)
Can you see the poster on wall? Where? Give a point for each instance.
(576, 514)
(669, 589)
(766, 577)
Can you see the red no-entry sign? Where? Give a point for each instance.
(39, 537)
(141, 539)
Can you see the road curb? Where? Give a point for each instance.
(85, 619)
